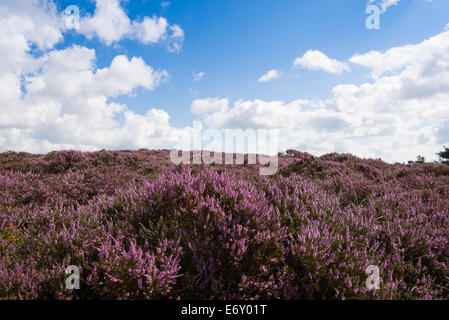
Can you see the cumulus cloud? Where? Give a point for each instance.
(316, 60)
(203, 106)
(111, 24)
(60, 99)
(252, 114)
(69, 72)
(430, 54)
(22, 25)
(403, 112)
(270, 75)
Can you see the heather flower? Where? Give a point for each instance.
(138, 227)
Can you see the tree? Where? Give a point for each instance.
(444, 155)
(420, 159)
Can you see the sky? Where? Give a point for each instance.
(111, 74)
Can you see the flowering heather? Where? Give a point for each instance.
(138, 227)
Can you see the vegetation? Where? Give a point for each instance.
(444, 155)
(139, 227)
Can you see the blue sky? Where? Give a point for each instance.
(234, 43)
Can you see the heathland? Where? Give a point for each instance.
(139, 227)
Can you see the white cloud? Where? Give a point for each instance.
(111, 24)
(384, 4)
(67, 73)
(176, 38)
(197, 76)
(150, 30)
(316, 60)
(203, 106)
(60, 99)
(447, 27)
(22, 25)
(270, 75)
(24, 20)
(403, 112)
(425, 54)
(251, 114)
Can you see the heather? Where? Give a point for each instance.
(139, 227)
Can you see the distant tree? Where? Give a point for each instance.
(444, 155)
(420, 159)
